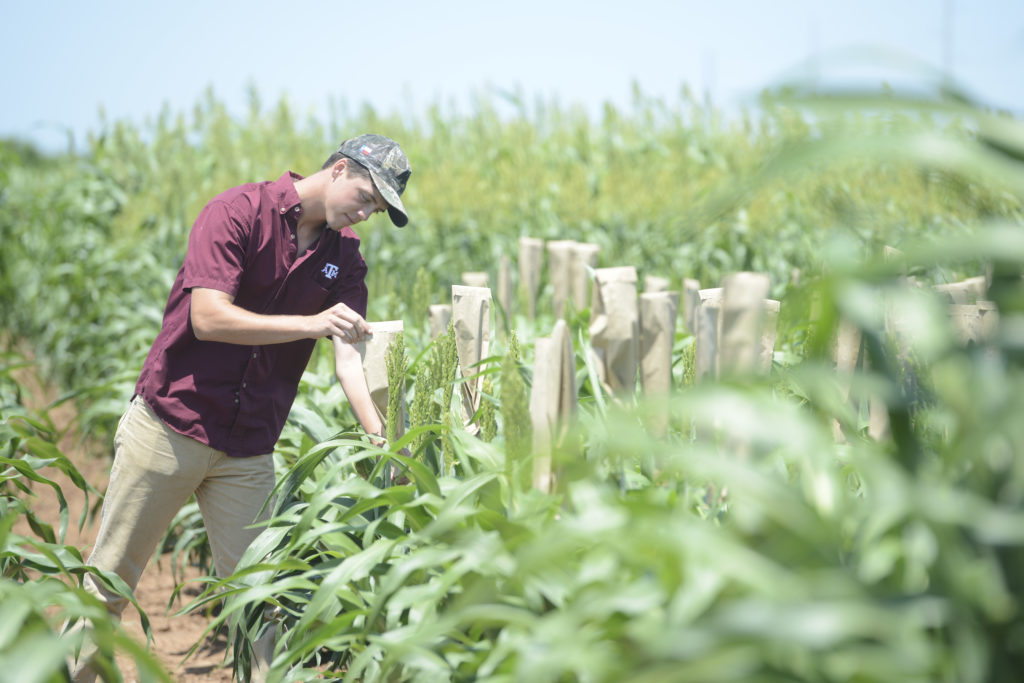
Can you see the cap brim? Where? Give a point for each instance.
(396, 210)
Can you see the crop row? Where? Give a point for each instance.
(718, 531)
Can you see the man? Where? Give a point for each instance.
(270, 268)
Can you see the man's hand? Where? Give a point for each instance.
(342, 322)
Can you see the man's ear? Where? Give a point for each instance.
(339, 168)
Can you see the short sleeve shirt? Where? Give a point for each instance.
(232, 397)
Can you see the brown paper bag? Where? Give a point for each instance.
(892, 254)
(845, 353)
(615, 328)
(878, 411)
(439, 315)
(655, 283)
(373, 352)
(475, 279)
(553, 399)
(658, 313)
(846, 348)
(965, 292)
(581, 256)
(878, 419)
(505, 287)
(705, 358)
(531, 259)
(989, 319)
(966, 320)
(713, 294)
(559, 273)
(691, 300)
(740, 321)
(706, 329)
(769, 331)
(471, 316)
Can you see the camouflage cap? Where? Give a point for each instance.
(388, 168)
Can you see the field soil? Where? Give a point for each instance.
(173, 636)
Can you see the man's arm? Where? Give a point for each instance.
(215, 317)
(349, 367)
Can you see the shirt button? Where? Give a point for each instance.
(253, 354)
(293, 236)
(244, 385)
(297, 209)
(236, 400)
(283, 209)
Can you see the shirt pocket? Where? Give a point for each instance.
(326, 274)
(310, 288)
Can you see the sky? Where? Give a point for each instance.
(68, 61)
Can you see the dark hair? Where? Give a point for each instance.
(354, 167)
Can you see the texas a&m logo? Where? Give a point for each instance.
(330, 271)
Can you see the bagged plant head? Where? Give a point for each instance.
(531, 260)
(567, 401)
(475, 279)
(989, 319)
(505, 286)
(656, 283)
(658, 313)
(583, 255)
(966, 322)
(373, 352)
(769, 331)
(741, 320)
(846, 347)
(878, 413)
(560, 274)
(615, 328)
(706, 322)
(965, 292)
(542, 410)
(691, 300)
(845, 353)
(705, 358)
(439, 315)
(713, 294)
(904, 309)
(553, 398)
(894, 255)
(471, 317)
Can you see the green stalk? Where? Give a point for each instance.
(488, 418)
(395, 361)
(515, 409)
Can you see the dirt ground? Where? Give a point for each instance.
(173, 636)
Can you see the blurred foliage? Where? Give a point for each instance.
(42, 587)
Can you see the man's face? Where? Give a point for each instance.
(351, 198)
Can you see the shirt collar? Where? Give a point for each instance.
(284, 191)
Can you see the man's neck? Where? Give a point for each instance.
(310, 190)
(311, 224)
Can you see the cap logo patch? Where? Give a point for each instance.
(365, 150)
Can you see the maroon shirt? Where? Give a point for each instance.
(231, 397)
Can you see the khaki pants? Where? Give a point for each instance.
(155, 472)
